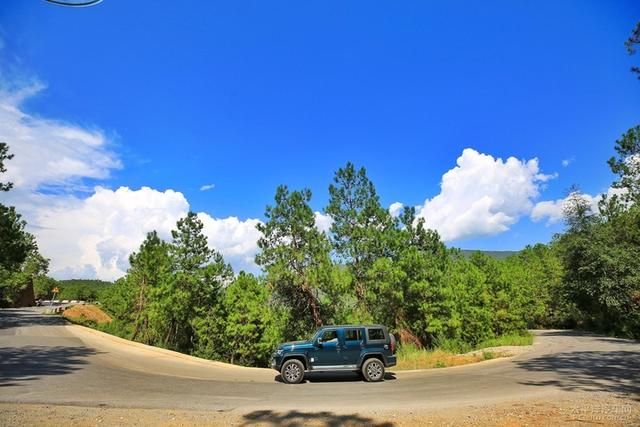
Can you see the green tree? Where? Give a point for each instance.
(13, 283)
(627, 165)
(15, 242)
(199, 275)
(602, 265)
(536, 272)
(149, 275)
(362, 229)
(252, 324)
(295, 257)
(4, 155)
(405, 285)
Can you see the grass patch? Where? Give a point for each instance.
(411, 357)
(523, 338)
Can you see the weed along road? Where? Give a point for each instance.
(44, 360)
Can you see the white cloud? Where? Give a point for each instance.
(323, 222)
(236, 240)
(92, 237)
(48, 153)
(395, 209)
(207, 187)
(553, 210)
(100, 232)
(483, 195)
(567, 162)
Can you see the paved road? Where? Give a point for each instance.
(45, 360)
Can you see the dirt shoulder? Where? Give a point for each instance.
(86, 313)
(586, 409)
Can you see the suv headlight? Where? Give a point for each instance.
(279, 352)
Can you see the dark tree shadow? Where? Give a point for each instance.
(604, 371)
(332, 377)
(15, 318)
(616, 341)
(298, 419)
(32, 362)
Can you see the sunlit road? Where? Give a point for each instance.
(45, 360)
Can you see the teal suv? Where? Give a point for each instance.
(366, 349)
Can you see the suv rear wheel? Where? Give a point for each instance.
(292, 371)
(373, 370)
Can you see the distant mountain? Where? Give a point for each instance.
(493, 254)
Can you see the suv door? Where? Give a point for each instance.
(353, 345)
(327, 352)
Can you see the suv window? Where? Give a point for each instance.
(328, 336)
(352, 335)
(375, 334)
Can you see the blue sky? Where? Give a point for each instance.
(250, 95)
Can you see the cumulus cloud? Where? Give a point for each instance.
(207, 187)
(323, 222)
(92, 236)
(236, 240)
(97, 234)
(483, 195)
(395, 209)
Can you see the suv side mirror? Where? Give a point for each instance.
(319, 342)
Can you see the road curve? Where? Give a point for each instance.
(43, 359)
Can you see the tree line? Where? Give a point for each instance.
(373, 267)
(22, 267)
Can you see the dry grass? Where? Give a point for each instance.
(413, 358)
(86, 313)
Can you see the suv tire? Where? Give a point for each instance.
(292, 371)
(373, 370)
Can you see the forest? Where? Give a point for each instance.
(371, 267)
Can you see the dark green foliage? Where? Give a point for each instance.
(361, 228)
(194, 291)
(15, 243)
(74, 289)
(602, 271)
(295, 257)
(21, 266)
(631, 43)
(252, 325)
(627, 165)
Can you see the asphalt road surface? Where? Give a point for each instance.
(43, 359)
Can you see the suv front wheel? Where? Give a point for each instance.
(292, 371)
(373, 370)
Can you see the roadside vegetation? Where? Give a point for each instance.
(412, 357)
(369, 267)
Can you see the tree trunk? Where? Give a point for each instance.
(315, 312)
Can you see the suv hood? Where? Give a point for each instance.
(295, 345)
